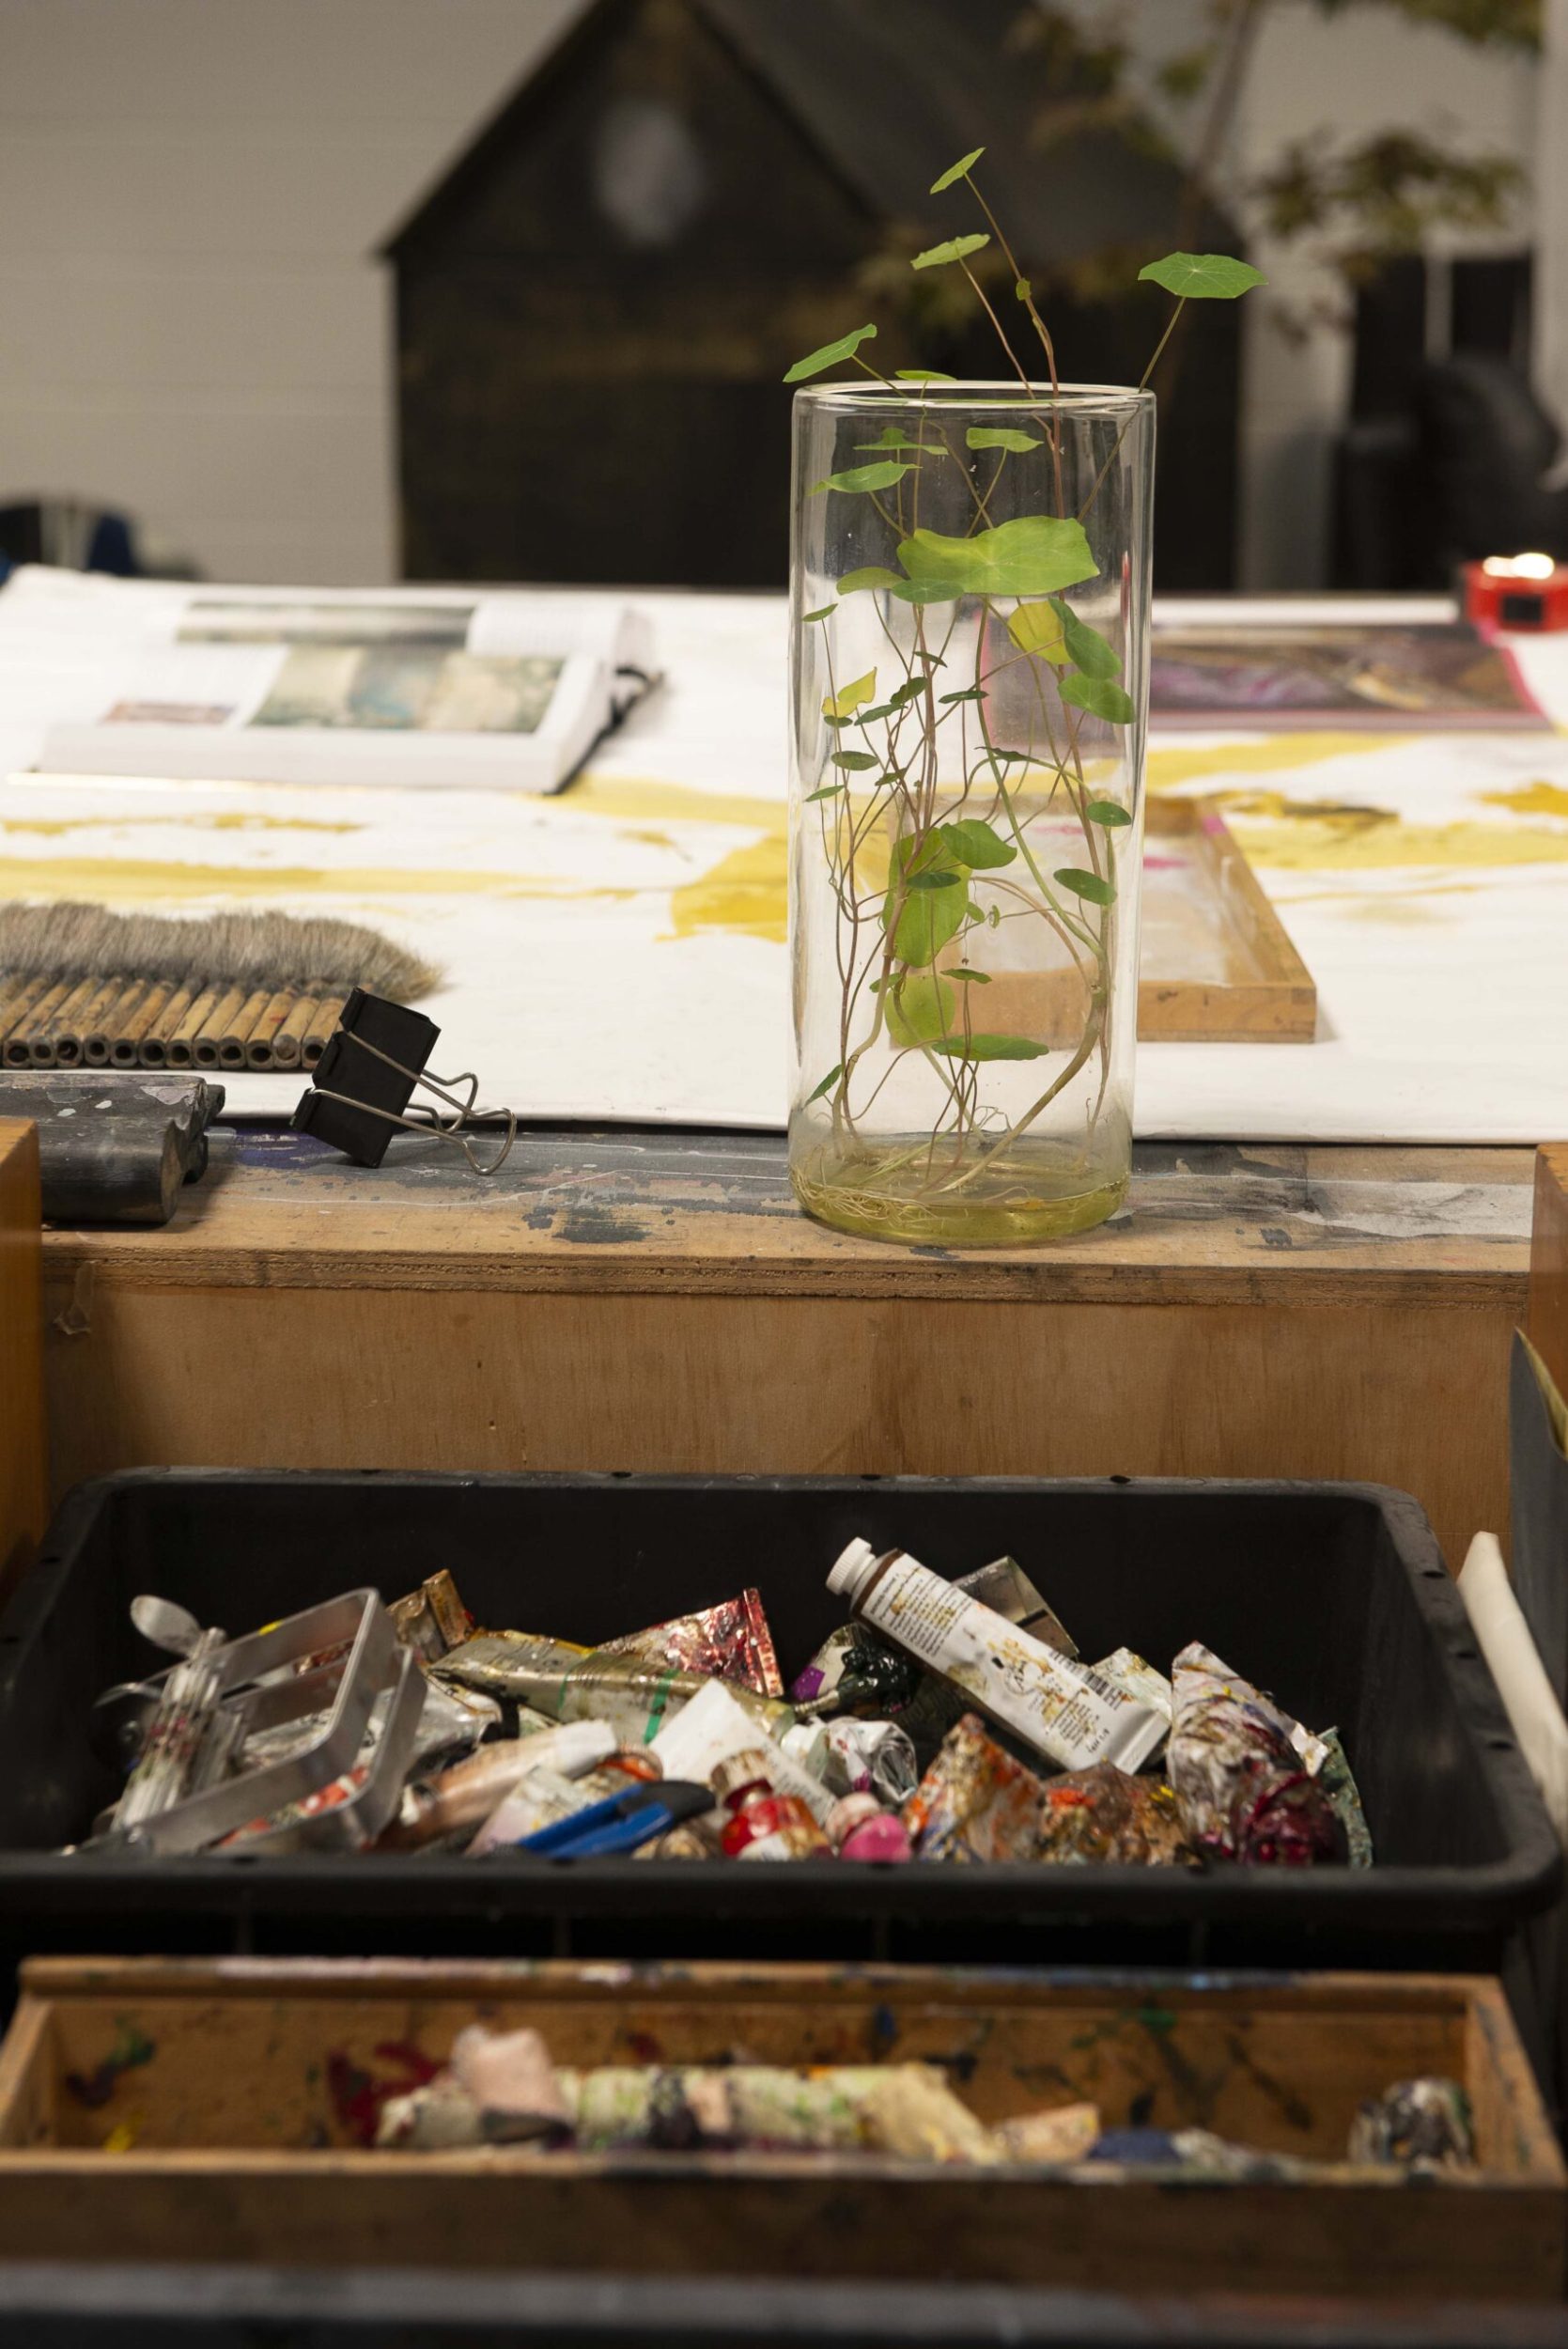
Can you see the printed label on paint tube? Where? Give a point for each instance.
(1065, 1709)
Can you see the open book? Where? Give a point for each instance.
(510, 688)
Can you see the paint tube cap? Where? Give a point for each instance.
(847, 1574)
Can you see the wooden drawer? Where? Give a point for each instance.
(158, 2109)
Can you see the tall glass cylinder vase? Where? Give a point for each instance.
(969, 621)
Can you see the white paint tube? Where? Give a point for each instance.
(1060, 1707)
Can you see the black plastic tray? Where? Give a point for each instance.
(1334, 1597)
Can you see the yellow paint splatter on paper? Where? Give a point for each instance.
(1530, 799)
(1169, 767)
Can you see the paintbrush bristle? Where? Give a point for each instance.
(271, 950)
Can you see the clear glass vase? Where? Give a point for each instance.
(970, 584)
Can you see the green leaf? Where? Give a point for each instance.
(955, 249)
(960, 170)
(1100, 694)
(937, 877)
(829, 791)
(871, 575)
(855, 762)
(1108, 813)
(922, 375)
(891, 437)
(1203, 276)
(1088, 648)
(990, 1047)
(1023, 291)
(1034, 555)
(971, 978)
(921, 921)
(823, 612)
(839, 704)
(1037, 628)
(928, 590)
(907, 692)
(1089, 885)
(831, 354)
(969, 694)
(859, 477)
(826, 1085)
(988, 436)
(919, 1009)
(974, 843)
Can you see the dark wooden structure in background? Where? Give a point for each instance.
(596, 307)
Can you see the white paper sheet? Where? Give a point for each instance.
(619, 953)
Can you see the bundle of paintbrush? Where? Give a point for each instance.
(81, 988)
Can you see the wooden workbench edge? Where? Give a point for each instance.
(149, 1261)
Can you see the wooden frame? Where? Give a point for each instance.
(23, 1482)
(162, 2108)
(1276, 1006)
(1547, 1322)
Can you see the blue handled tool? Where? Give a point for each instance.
(621, 1822)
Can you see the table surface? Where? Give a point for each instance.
(629, 1209)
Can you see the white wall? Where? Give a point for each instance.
(191, 323)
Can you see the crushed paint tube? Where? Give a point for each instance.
(712, 1728)
(975, 1802)
(853, 1671)
(432, 1619)
(1420, 2124)
(1103, 1818)
(870, 1757)
(1062, 2135)
(1244, 1792)
(571, 1684)
(457, 1803)
(763, 1823)
(1125, 1669)
(1338, 1782)
(730, 1642)
(1056, 1705)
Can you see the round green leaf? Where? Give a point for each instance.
(969, 694)
(960, 170)
(855, 762)
(831, 354)
(826, 1085)
(1089, 885)
(823, 612)
(955, 249)
(1034, 555)
(929, 590)
(872, 575)
(991, 1048)
(1203, 276)
(1037, 628)
(938, 876)
(1108, 813)
(974, 843)
(922, 375)
(985, 436)
(971, 978)
(1087, 648)
(880, 476)
(1100, 694)
(919, 1009)
(921, 919)
(829, 791)
(851, 696)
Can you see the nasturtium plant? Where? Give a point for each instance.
(1203, 276)
(972, 793)
(955, 249)
(831, 355)
(1032, 556)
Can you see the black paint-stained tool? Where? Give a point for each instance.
(363, 1083)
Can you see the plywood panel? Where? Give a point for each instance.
(486, 1380)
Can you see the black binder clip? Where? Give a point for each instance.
(362, 1086)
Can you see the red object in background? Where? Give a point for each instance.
(1516, 591)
